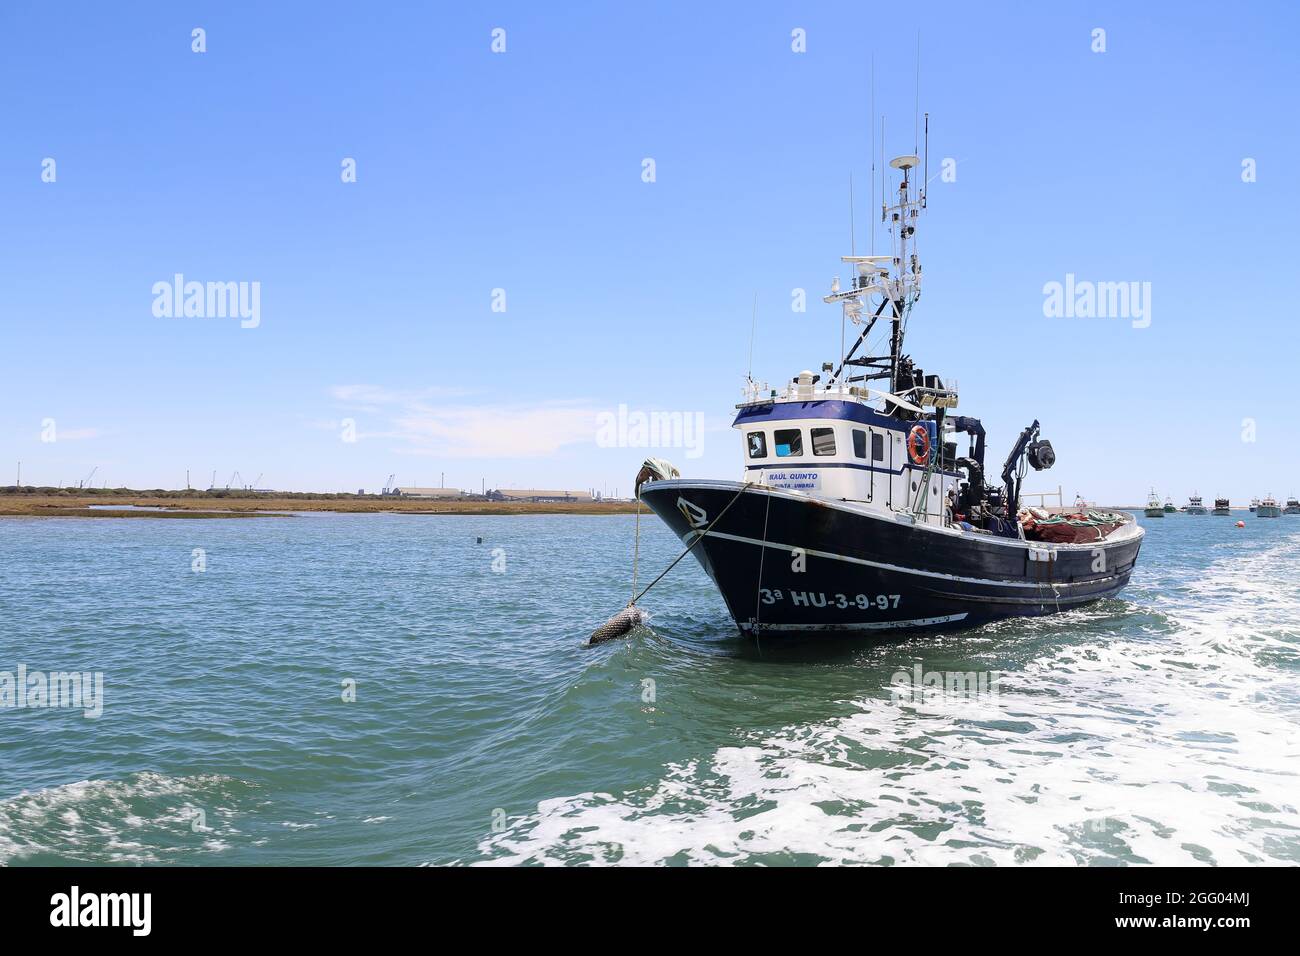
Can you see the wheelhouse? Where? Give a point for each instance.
(841, 448)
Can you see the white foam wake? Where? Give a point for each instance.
(1173, 746)
(144, 819)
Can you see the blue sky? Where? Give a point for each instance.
(522, 171)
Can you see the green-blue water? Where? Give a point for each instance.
(1160, 727)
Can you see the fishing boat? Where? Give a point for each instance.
(1254, 505)
(1169, 506)
(1268, 508)
(1154, 508)
(1194, 505)
(1292, 506)
(1222, 508)
(855, 512)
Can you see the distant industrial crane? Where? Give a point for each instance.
(234, 480)
(388, 485)
(85, 482)
(257, 483)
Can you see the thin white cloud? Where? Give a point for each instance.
(423, 426)
(78, 434)
(379, 395)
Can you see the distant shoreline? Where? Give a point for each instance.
(237, 505)
(122, 503)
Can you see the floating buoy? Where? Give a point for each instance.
(1241, 524)
(480, 541)
(627, 619)
(618, 625)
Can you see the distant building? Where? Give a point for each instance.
(429, 492)
(533, 494)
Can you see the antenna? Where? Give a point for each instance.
(873, 152)
(753, 327)
(925, 181)
(853, 250)
(882, 167)
(916, 112)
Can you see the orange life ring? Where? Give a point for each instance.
(918, 445)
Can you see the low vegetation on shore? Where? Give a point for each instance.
(77, 502)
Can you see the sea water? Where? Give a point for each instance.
(410, 689)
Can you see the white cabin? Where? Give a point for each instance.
(831, 443)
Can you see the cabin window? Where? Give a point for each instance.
(789, 442)
(859, 443)
(823, 441)
(877, 447)
(757, 445)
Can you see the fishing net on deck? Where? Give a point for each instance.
(1077, 528)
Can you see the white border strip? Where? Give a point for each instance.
(899, 568)
(863, 626)
(1133, 530)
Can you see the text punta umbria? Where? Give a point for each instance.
(103, 909)
(208, 300)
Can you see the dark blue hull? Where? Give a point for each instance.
(786, 563)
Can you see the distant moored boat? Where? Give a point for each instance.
(1292, 506)
(1222, 507)
(1153, 509)
(1268, 508)
(1195, 505)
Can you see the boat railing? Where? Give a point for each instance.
(762, 393)
(1042, 497)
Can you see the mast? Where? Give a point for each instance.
(885, 282)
